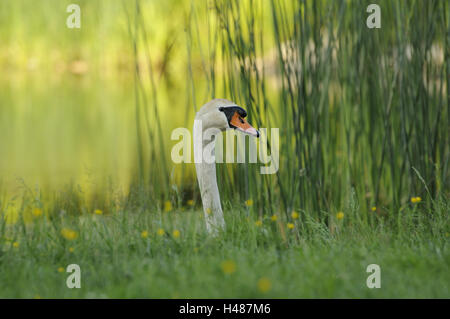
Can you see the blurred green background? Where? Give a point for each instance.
(67, 98)
(363, 112)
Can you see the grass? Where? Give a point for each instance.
(248, 260)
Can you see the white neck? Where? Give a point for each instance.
(206, 176)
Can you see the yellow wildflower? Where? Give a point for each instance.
(249, 202)
(71, 250)
(98, 212)
(264, 284)
(160, 231)
(37, 212)
(274, 218)
(290, 225)
(294, 215)
(60, 269)
(144, 234)
(258, 223)
(190, 202)
(374, 208)
(167, 206)
(415, 200)
(69, 234)
(176, 233)
(340, 215)
(228, 267)
(16, 244)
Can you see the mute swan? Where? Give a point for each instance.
(219, 114)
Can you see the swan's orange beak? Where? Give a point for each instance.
(242, 125)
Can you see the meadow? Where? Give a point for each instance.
(169, 255)
(86, 175)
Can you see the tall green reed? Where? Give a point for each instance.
(363, 113)
(360, 110)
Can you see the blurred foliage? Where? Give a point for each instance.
(363, 112)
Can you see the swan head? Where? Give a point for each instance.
(224, 114)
